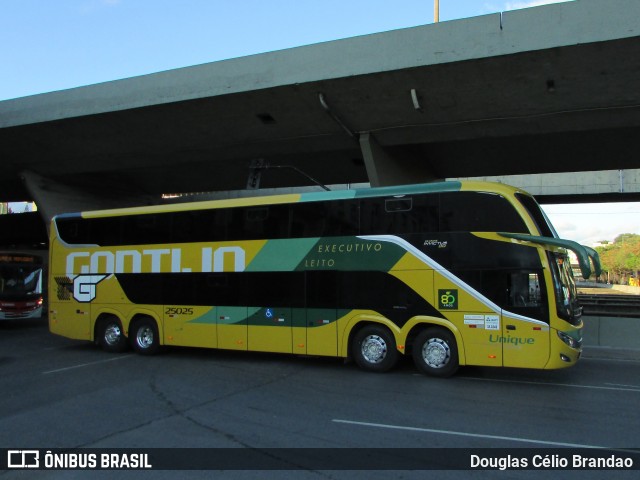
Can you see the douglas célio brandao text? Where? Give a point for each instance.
(551, 461)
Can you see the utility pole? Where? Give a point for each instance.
(436, 11)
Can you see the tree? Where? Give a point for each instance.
(621, 259)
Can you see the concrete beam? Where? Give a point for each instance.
(384, 169)
(573, 184)
(536, 90)
(54, 198)
(552, 26)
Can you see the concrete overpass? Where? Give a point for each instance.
(577, 187)
(543, 90)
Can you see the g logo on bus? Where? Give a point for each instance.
(448, 299)
(84, 287)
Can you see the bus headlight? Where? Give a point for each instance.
(569, 340)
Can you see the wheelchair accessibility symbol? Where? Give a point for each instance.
(269, 314)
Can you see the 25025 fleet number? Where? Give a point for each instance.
(178, 311)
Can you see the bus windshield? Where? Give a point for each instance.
(565, 289)
(19, 280)
(537, 214)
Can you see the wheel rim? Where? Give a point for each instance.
(144, 337)
(112, 334)
(374, 349)
(436, 353)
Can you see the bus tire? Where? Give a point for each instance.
(374, 348)
(110, 335)
(435, 352)
(144, 336)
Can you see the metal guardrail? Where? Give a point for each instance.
(610, 305)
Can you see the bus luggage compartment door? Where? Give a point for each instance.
(71, 320)
(232, 328)
(322, 331)
(270, 329)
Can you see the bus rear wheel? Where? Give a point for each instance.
(435, 352)
(144, 336)
(110, 335)
(374, 349)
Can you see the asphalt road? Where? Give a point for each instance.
(60, 393)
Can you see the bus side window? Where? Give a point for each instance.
(308, 219)
(143, 229)
(373, 217)
(478, 212)
(255, 222)
(215, 225)
(426, 211)
(183, 226)
(343, 218)
(73, 230)
(524, 290)
(260, 222)
(106, 231)
(237, 225)
(321, 288)
(388, 216)
(278, 224)
(199, 226)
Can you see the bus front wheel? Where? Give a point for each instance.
(435, 352)
(374, 349)
(110, 335)
(144, 336)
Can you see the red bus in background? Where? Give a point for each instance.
(20, 285)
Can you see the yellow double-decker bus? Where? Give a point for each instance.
(451, 273)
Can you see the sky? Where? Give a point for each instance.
(48, 45)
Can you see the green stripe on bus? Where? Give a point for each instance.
(351, 253)
(281, 255)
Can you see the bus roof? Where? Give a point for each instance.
(446, 186)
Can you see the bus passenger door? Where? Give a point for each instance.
(525, 331)
(232, 328)
(524, 344)
(270, 329)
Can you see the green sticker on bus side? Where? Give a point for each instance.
(448, 299)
